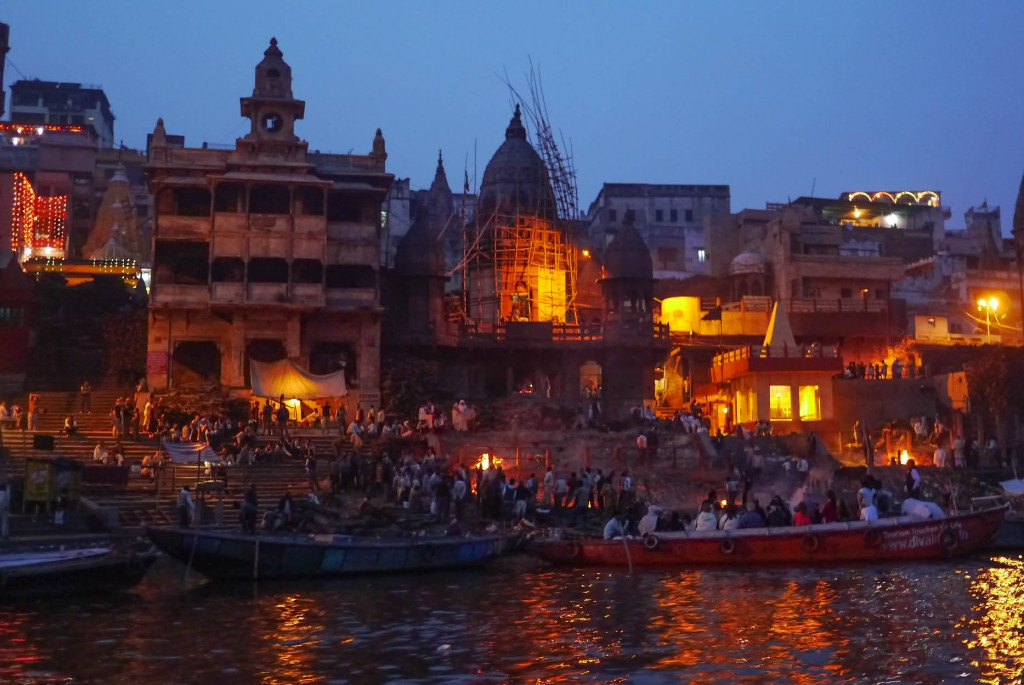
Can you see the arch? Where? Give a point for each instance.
(195, 362)
(590, 379)
(328, 356)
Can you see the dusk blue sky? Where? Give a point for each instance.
(768, 97)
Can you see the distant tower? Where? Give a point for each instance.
(627, 277)
(627, 283)
(419, 265)
(5, 34)
(272, 111)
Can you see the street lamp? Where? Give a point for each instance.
(990, 305)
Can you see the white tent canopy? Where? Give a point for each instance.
(285, 377)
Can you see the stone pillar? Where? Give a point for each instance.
(293, 336)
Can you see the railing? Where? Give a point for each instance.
(565, 333)
(778, 352)
(799, 305)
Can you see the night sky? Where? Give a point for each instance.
(770, 98)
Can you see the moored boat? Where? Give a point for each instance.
(900, 538)
(29, 571)
(234, 556)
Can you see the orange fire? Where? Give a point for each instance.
(486, 461)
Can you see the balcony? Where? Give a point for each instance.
(270, 223)
(542, 334)
(227, 293)
(351, 298)
(267, 293)
(764, 358)
(307, 294)
(315, 225)
(179, 295)
(352, 232)
(183, 227)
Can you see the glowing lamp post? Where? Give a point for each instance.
(990, 305)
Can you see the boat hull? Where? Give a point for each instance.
(103, 571)
(898, 539)
(231, 556)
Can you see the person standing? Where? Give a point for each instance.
(85, 392)
(326, 419)
(186, 507)
(33, 411)
(913, 480)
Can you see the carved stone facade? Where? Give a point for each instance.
(265, 251)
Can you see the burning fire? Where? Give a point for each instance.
(904, 456)
(487, 461)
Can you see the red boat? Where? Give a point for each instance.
(900, 538)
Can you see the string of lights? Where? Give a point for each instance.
(38, 222)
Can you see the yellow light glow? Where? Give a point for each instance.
(810, 403)
(586, 253)
(904, 457)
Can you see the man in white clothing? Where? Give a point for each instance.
(869, 513)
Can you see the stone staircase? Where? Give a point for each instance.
(54, 406)
(145, 502)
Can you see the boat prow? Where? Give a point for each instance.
(901, 538)
(100, 567)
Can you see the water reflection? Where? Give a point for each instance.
(925, 623)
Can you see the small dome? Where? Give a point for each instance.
(111, 251)
(516, 179)
(748, 263)
(420, 253)
(627, 256)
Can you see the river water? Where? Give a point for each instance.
(943, 622)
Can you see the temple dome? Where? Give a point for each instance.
(516, 179)
(111, 250)
(748, 263)
(627, 256)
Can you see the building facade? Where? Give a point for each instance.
(41, 103)
(672, 220)
(265, 251)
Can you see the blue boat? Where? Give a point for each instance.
(234, 556)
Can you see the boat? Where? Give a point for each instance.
(33, 570)
(235, 556)
(901, 538)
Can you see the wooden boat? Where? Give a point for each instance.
(891, 539)
(223, 555)
(29, 571)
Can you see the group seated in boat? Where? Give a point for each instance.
(712, 517)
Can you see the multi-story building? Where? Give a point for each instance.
(42, 103)
(672, 220)
(265, 251)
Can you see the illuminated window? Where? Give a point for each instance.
(383, 218)
(702, 256)
(781, 402)
(810, 403)
(746, 406)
